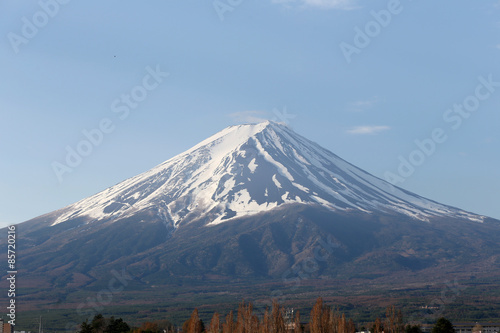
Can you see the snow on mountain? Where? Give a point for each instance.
(246, 169)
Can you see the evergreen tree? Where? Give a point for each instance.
(100, 324)
(116, 326)
(413, 329)
(443, 325)
(85, 327)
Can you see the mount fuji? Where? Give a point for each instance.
(252, 203)
(247, 169)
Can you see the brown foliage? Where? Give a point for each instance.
(277, 320)
(393, 321)
(245, 318)
(193, 324)
(214, 324)
(323, 320)
(377, 326)
(228, 326)
(147, 327)
(316, 324)
(297, 326)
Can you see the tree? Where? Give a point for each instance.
(377, 326)
(228, 326)
(214, 324)
(477, 329)
(104, 325)
(443, 325)
(85, 327)
(297, 326)
(165, 325)
(255, 325)
(116, 326)
(413, 329)
(246, 322)
(147, 327)
(185, 326)
(317, 321)
(193, 324)
(265, 326)
(394, 320)
(245, 318)
(98, 323)
(277, 320)
(351, 327)
(326, 320)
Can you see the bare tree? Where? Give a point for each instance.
(394, 320)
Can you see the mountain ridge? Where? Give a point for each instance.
(245, 169)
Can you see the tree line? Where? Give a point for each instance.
(322, 319)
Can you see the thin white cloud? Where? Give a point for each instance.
(362, 130)
(363, 105)
(323, 4)
(249, 116)
(256, 116)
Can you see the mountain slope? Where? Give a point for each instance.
(247, 169)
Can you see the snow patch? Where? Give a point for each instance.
(300, 187)
(252, 166)
(276, 182)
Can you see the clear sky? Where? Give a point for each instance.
(407, 90)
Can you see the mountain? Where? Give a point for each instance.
(247, 169)
(253, 203)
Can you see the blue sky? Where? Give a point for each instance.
(407, 90)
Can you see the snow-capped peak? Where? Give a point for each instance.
(246, 169)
